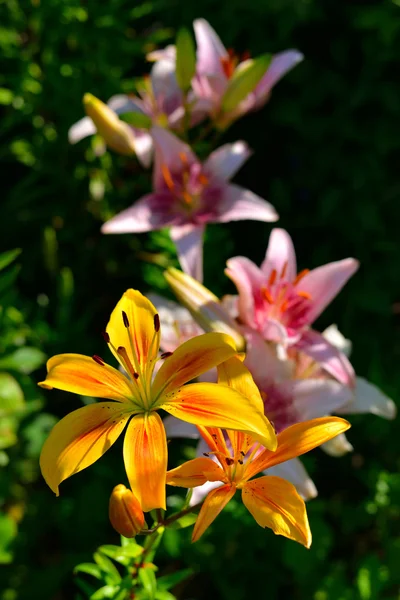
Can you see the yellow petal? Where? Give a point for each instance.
(140, 339)
(117, 134)
(217, 405)
(214, 503)
(82, 375)
(297, 440)
(191, 359)
(232, 372)
(274, 503)
(79, 439)
(145, 457)
(125, 513)
(195, 472)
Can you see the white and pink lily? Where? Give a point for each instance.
(281, 304)
(188, 194)
(159, 98)
(216, 65)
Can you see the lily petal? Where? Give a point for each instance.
(297, 440)
(214, 503)
(280, 64)
(294, 472)
(248, 279)
(191, 359)
(140, 340)
(217, 405)
(369, 399)
(238, 204)
(177, 324)
(151, 212)
(79, 439)
(201, 491)
(315, 398)
(226, 161)
(145, 457)
(274, 503)
(327, 356)
(188, 240)
(280, 255)
(82, 375)
(195, 472)
(168, 151)
(81, 129)
(337, 339)
(210, 49)
(338, 446)
(324, 283)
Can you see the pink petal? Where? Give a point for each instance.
(167, 53)
(210, 49)
(280, 255)
(163, 81)
(293, 471)
(188, 240)
(168, 151)
(327, 356)
(324, 283)
(248, 279)
(143, 143)
(238, 204)
(262, 361)
(81, 129)
(121, 103)
(226, 161)
(151, 212)
(281, 63)
(368, 398)
(177, 324)
(314, 398)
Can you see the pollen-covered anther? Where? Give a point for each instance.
(125, 319)
(203, 179)
(156, 322)
(305, 295)
(128, 365)
(300, 276)
(106, 336)
(98, 360)
(165, 355)
(166, 173)
(267, 295)
(272, 277)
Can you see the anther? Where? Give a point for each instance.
(272, 277)
(136, 375)
(183, 157)
(206, 454)
(98, 360)
(157, 322)
(285, 266)
(106, 336)
(125, 319)
(165, 355)
(229, 461)
(267, 295)
(305, 295)
(300, 276)
(166, 173)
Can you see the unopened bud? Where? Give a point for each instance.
(185, 59)
(117, 134)
(203, 305)
(244, 80)
(125, 512)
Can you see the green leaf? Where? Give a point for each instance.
(122, 555)
(11, 395)
(148, 580)
(164, 595)
(185, 59)
(24, 360)
(107, 566)
(137, 119)
(243, 81)
(185, 521)
(108, 591)
(90, 569)
(8, 257)
(8, 531)
(167, 582)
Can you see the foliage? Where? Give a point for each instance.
(326, 155)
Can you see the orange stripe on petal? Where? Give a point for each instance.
(83, 375)
(191, 359)
(214, 503)
(274, 503)
(79, 439)
(145, 457)
(195, 472)
(217, 405)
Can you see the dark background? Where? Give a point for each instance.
(326, 156)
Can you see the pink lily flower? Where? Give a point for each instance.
(188, 194)
(160, 99)
(216, 65)
(281, 305)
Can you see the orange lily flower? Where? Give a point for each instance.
(133, 335)
(272, 501)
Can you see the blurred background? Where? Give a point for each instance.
(326, 156)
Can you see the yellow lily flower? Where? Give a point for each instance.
(272, 501)
(133, 335)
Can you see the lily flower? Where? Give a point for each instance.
(133, 336)
(159, 98)
(188, 194)
(281, 304)
(272, 501)
(216, 66)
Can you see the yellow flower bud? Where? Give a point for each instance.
(117, 134)
(125, 512)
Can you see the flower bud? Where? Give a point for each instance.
(125, 512)
(203, 305)
(117, 134)
(244, 80)
(185, 59)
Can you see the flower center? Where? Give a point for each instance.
(187, 184)
(230, 62)
(279, 407)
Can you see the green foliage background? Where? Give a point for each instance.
(326, 155)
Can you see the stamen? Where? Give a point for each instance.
(283, 272)
(300, 276)
(165, 355)
(98, 360)
(272, 277)
(267, 295)
(183, 157)
(166, 173)
(125, 319)
(136, 375)
(305, 295)
(203, 179)
(284, 305)
(106, 336)
(122, 352)
(229, 461)
(187, 197)
(157, 322)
